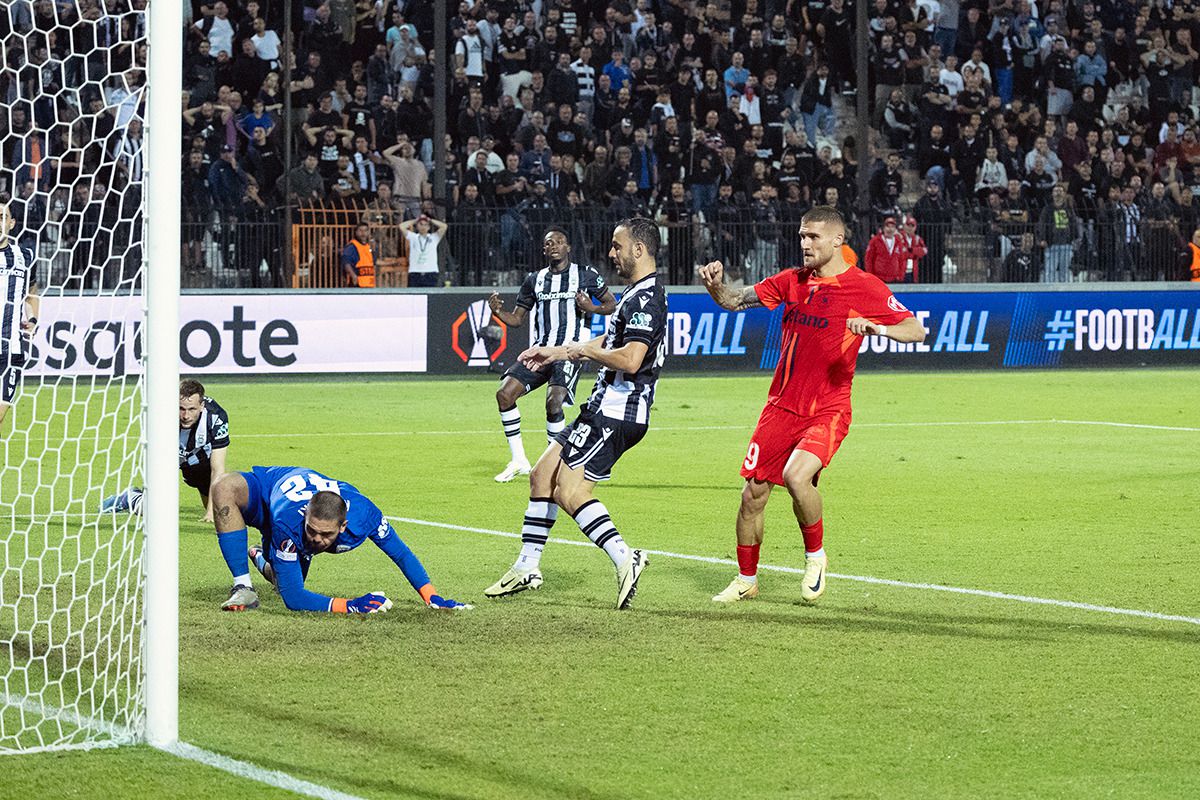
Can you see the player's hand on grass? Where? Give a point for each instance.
(712, 274)
(370, 603)
(860, 326)
(439, 603)
(495, 303)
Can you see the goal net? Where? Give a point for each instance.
(71, 578)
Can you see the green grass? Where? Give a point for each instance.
(877, 692)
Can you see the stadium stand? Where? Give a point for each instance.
(577, 112)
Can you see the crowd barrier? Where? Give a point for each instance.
(452, 332)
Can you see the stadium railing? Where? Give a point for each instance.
(496, 246)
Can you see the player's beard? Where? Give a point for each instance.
(815, 263)
(626, 266)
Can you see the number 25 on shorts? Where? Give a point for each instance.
(751, 456)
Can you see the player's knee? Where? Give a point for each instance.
(754, 499)
(799, 482)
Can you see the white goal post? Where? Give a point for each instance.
(89, 602)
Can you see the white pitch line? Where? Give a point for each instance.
(244, 769)
(935, 587)
(685, 428)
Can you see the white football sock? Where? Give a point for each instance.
(511, 421)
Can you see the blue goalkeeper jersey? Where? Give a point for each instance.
(284, 493)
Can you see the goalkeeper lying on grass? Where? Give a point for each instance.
(300, 513)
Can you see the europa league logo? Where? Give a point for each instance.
(488, 337)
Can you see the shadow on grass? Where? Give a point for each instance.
(405, 754)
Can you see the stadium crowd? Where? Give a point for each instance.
(1056, 137)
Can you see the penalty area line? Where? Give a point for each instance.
(244, 769)
(932, 587)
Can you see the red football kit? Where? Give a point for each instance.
(808, 406)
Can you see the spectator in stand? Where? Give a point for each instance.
(816, 103)
(677, 216)
(1059, 233)
(305, 186)
(1019, 266)
(992, 177)
(422, 236)
(934, 216)
(886, 253)
(914, 250)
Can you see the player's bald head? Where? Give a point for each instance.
(327, 507)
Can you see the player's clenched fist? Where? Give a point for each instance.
(860, 326)
(370, 603)
(712, 274)
(495, 303)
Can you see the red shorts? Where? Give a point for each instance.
(780, 433)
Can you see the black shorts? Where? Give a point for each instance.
(560, 373)
(198, 476)
(12, 366)
(595, 442)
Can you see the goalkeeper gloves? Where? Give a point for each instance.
(370, 603)
(439, 603)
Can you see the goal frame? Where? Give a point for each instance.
(160, 639)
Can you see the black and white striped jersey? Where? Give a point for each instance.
(211, 432)
(551, 295)
(641, 316)
(16, 276)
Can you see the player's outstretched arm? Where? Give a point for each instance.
(404, 558)
(290, 580)
(910, 330)
(627, 358)
(727, 297)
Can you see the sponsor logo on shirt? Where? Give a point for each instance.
(639, 320)
(895, 305)
(797, 317)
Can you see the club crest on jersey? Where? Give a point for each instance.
(895, 305)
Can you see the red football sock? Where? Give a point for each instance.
(814, 536)
(748, 559)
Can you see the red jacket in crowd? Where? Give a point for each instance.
(892, 255)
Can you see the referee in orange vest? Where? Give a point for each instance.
(358, 263)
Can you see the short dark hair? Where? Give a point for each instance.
(644, 231)
(189, 387)
(328, 506)
(826, 214)
(557, 229)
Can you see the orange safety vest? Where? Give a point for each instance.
(1195, 262)
(365, 266)
(849, 256)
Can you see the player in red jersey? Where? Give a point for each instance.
(829, 306)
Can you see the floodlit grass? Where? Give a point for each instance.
(877, 692)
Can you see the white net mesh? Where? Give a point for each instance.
(71, 578)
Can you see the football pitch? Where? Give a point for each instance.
(1063, 504)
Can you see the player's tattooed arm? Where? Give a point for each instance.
(713, 276)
